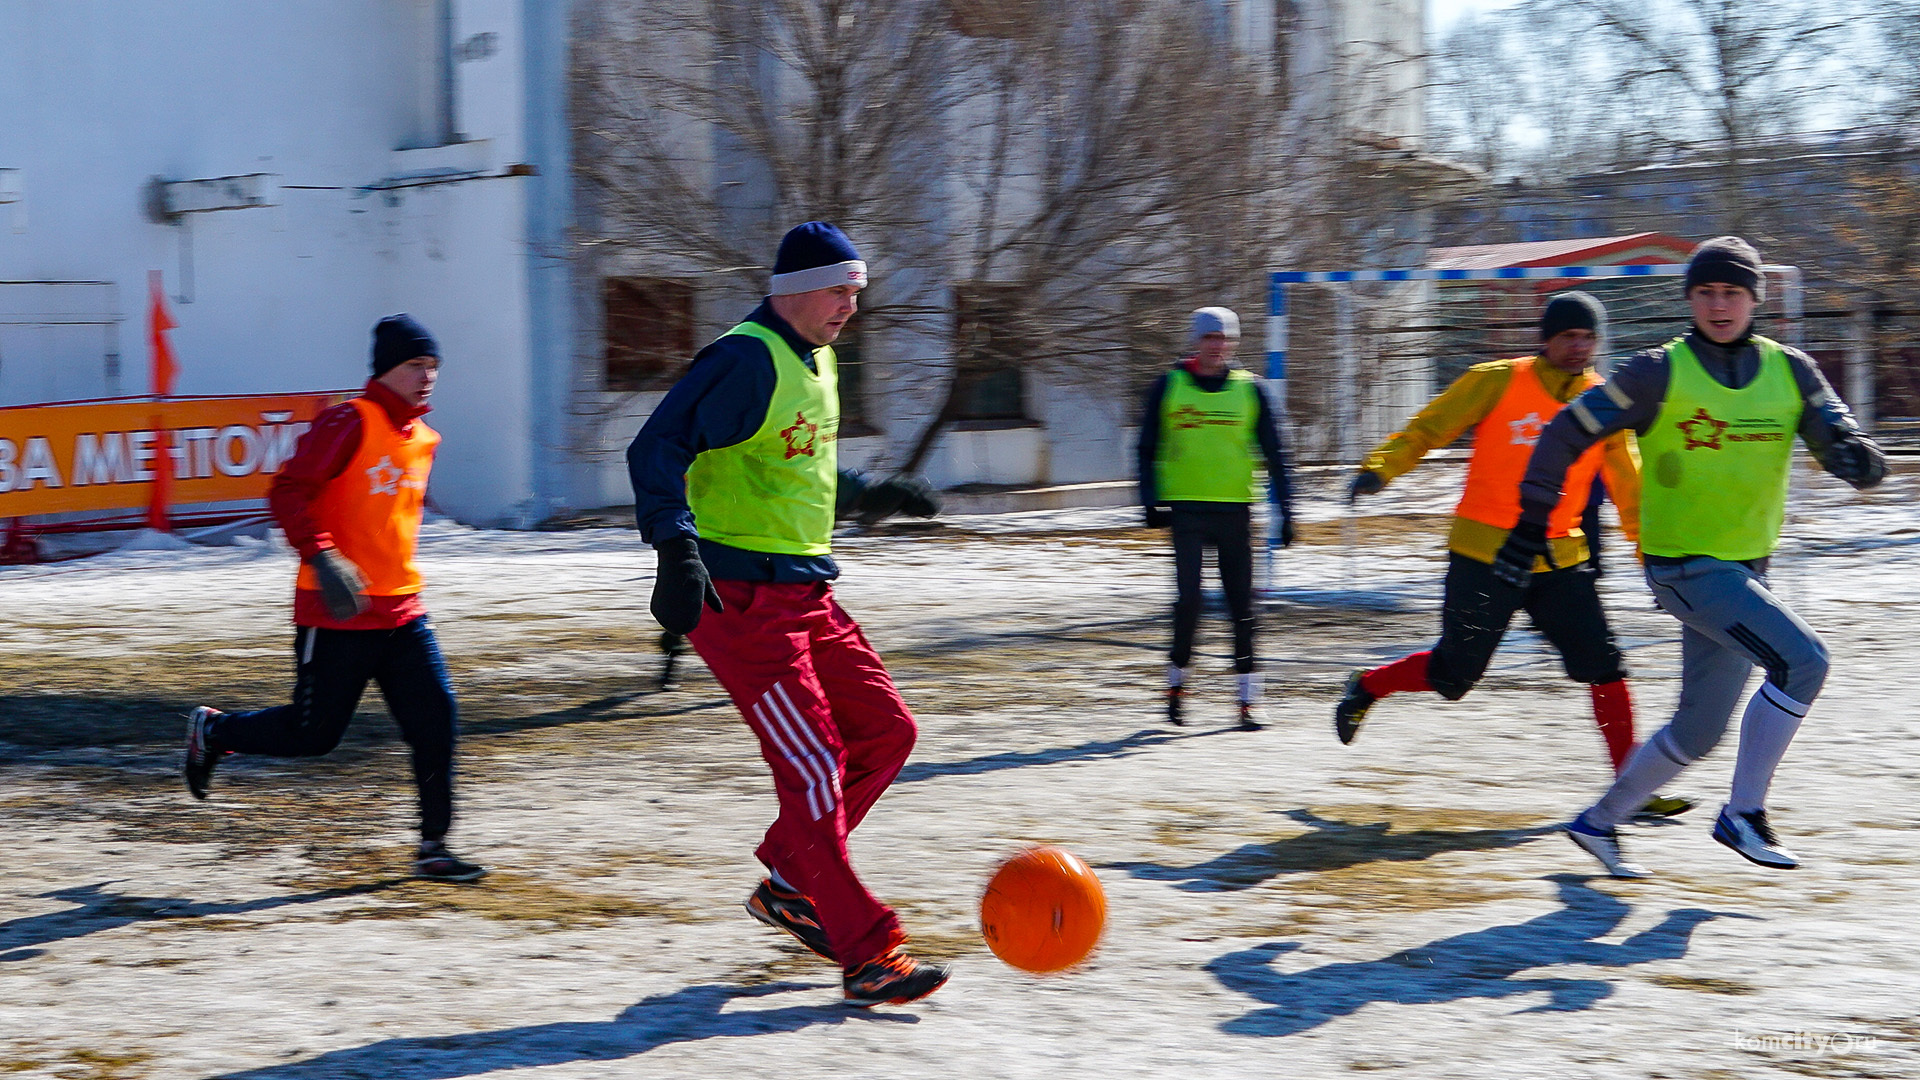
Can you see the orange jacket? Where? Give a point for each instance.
(1479, 528)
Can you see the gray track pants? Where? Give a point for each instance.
(1730, 623)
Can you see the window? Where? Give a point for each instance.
(849, 350)
(991, 344)
(649, 332)
(428, 28)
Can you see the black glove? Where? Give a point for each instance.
(898, 495)
(680, 585)
(342, 586)
(1286, 530)
(1159, 517)
(1513, 565)
(1365, 482)
(1858, 460)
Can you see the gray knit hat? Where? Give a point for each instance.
(1214, 320)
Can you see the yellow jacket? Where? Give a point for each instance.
(1467, 402)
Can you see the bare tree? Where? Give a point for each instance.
(1016, 160)
(1732, 72)
(1487, 93)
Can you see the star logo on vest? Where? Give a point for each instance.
(385, 476)
(1526, 430)
(800, 436)
(1702, 431)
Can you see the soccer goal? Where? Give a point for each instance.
(1352, 354)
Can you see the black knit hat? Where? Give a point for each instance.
(1727, 260)
(1572, 311)
(398, 339)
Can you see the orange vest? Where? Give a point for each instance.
(1503, 442)
(373, 507)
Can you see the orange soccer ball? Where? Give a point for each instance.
(1044, 910)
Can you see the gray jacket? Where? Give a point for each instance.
(1631, 398)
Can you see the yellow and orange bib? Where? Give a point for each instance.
(1503, 444)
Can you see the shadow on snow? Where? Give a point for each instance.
(1480, 964)
(1015, 759)
(691, 1014)
(102, 910)
(1332, 845)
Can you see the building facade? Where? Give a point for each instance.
(295, 171)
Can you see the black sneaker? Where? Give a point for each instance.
(435, 863)
(1352, 710)
(201, 758)
(1249, 721)
(894, 978)
(792, 912)
(1176, 702)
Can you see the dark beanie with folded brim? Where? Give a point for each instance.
(398, 339)
(816, 255)
(1572, 311)
(1727, 260)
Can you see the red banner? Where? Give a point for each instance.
(104, 455)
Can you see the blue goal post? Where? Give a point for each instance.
(1279, 282)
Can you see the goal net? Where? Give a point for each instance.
(1354, 353)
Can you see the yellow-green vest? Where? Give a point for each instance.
(774, 492)
(1208, 445)
(1717, 459)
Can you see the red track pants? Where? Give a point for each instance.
(832, 728)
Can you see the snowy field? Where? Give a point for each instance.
(1281, 906)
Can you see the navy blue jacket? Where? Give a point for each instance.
(1266, 429)
(721, 401)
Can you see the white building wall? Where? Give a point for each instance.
(99, 96)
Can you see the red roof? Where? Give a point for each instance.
(1646, 247)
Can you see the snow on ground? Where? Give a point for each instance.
(1280, 905)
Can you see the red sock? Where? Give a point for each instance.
(1404, 674)
(1613, 711)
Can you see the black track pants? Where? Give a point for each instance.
(334, 669)
(1228, 528)
(1563, 604)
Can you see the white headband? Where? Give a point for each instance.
(852, 272)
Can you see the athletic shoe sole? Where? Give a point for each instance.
(763, 912)
(197, 770)
(919, 989)
(424, 870)
(1607, 851)
(1346, 719)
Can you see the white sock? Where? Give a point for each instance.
(1649, 769)
(1766, 729)
(1249, 687)
(774, 876)
(1176, 676)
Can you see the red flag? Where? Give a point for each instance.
(158, 323)
(164, 369)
